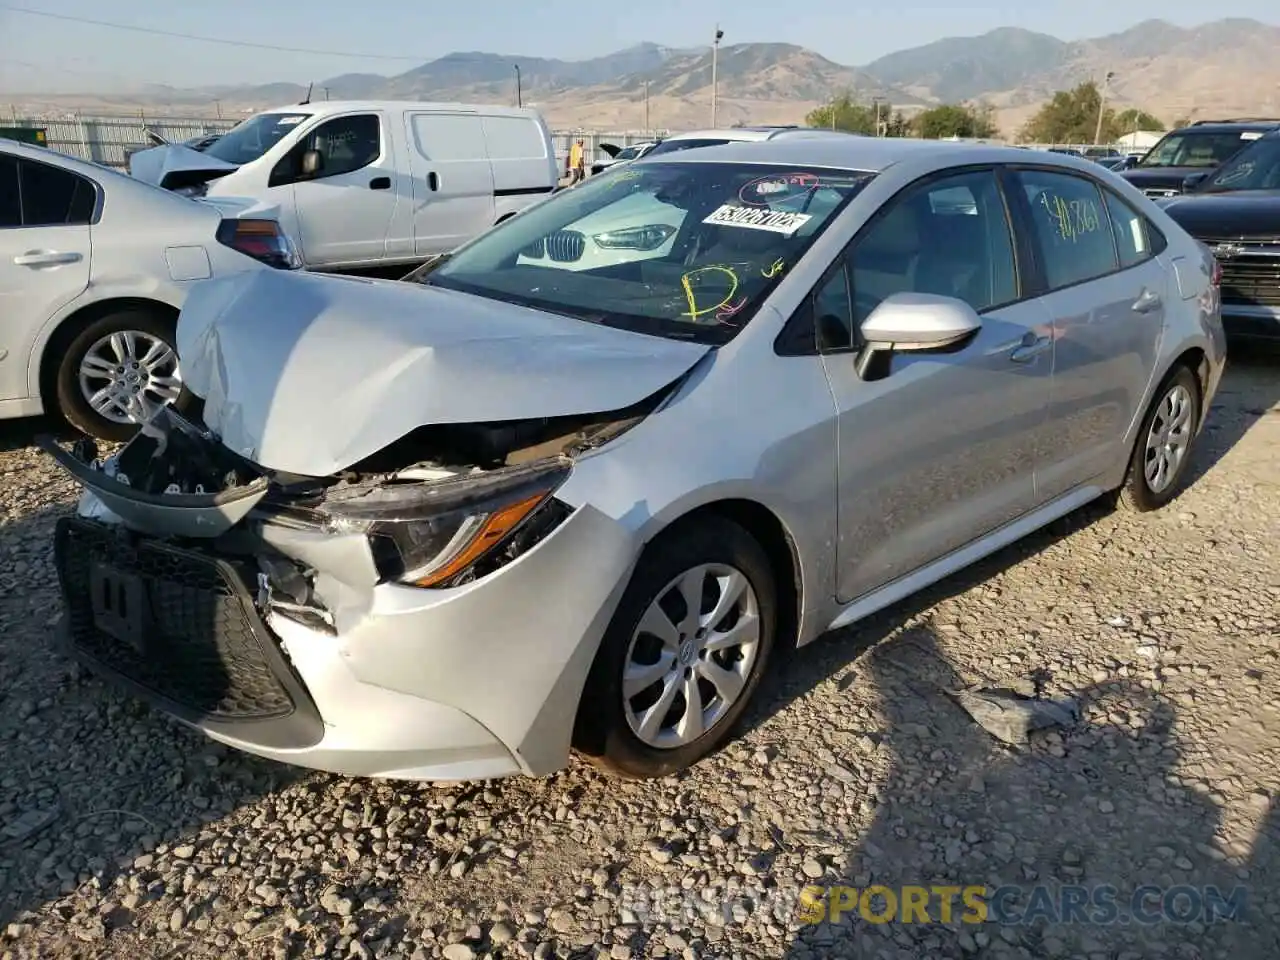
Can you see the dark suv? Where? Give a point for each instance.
(1235, 211)
(1195, 149)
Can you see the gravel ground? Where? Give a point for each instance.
(123, 834)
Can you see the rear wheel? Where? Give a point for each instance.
(118, 371)
(684, 653)
(1163, 450)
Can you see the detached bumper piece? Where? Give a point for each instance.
(179, 628)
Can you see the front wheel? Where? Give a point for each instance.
(117, 372)
(1163, 450)
(683, 655)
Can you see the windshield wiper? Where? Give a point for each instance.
(417, 273)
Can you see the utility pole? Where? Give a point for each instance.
(519, 87)
(646, 108)
(715, 56)
(1102, 105)
(326, 93)
(217, 105)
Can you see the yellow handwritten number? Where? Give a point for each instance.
(773, 269)
(1071, 218)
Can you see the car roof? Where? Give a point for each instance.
(872, 154)
(325, 107)
(1229, 126)
(745, 134)
(57, 158)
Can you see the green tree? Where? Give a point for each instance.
(843, 113)
(1070, 117)
(956, 120)
(898, 126)
(1133, 120)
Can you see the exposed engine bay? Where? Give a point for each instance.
(441, 507)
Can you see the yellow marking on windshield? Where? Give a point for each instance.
(773, 269)
(686, 282)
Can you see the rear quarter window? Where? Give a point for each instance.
(448, 136)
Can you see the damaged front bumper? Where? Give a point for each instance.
(280, 620)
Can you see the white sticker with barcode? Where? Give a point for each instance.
(752, 218)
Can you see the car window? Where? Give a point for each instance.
(949, 236)
(10, 211)
(252, 138)
(54, 197)
(1071, 227)
(1134, 235)
(1255, 168)
(671, 146)
(833, 311)
(346, 143)
(1197, 149)
(687, 250)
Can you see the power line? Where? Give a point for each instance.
(220, 40)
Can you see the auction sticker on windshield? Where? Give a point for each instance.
(757, 219)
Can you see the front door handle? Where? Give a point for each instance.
(380, 183)
(46, 258)
(1030, 349)
(433, 181)
(1150, 300)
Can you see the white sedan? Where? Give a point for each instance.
(94, 267)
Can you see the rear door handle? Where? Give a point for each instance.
(433, 181)
(1150, 300)
(380, 183)
(1030, 349)
(46, 258)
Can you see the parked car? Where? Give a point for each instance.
(717, 138)
(1194, 149)
(552, 508)
(1235, 210)
(622, 155)
(94, 267)
(1102, 153)
(422, 177)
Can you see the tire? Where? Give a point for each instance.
(140, 327)
(1177, 401)
(608, 725)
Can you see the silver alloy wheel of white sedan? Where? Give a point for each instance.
(691, 655)
(1169, 438)
(127, 375)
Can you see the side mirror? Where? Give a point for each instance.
(911, 322)
(1193, 180)
(312, 163)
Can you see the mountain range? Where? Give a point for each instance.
(1226, 67)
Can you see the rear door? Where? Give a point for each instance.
(1105, 294)
(345, 209)
(452, 180)
(45, 212)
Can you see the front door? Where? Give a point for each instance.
(1106, 299)
(346, 208)
(44, 256)
(452, 180)
(943, 449)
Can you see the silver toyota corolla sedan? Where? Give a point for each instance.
(576, 484)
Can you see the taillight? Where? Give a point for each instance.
(261, 239)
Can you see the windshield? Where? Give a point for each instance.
(247, 141)
(1190, 149)
(1257, 168)
(685, 250)
(629, 153)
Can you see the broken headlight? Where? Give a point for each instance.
(431, 533)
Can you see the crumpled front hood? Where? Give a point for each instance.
(308, 374)
(174, 165)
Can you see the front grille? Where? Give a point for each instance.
(566, 246)
(188, 636)
(1253, 281)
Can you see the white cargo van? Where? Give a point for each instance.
(371, 184)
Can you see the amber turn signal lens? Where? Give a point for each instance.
(492, 532)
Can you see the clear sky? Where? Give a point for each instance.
(48, 55)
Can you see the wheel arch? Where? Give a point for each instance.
(57, 337)
(767, 528)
